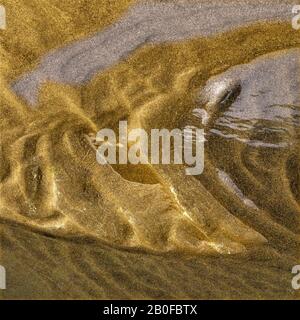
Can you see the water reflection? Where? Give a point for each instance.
(252, 133)
(262, 100)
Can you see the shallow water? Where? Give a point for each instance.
(268, 102)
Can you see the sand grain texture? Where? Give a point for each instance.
(71, 229)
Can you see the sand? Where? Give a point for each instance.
(143, 24)
(71, 229)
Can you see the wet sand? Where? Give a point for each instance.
(144, 24)
(71, 229)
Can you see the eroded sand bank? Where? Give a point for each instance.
(73, 229)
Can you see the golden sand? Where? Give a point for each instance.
(73, 229)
